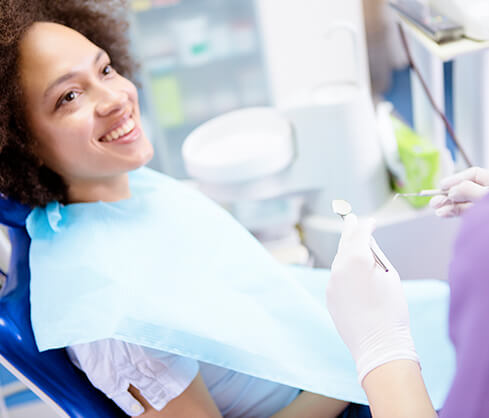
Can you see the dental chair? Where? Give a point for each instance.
(50, 374)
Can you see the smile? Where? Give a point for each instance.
(120, 132)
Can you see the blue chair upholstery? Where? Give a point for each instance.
(50, 372)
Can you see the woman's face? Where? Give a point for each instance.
(84, 116)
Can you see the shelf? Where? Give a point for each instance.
(448, 50)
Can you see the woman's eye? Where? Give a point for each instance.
(67, 98)
(107, 69)
(70, 96)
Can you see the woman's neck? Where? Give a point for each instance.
(109, 189)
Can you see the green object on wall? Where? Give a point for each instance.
(421, 161)
(168, 100)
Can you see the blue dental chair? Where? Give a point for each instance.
(50, 374)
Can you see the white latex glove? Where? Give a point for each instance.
(464, 189)
(366, 303)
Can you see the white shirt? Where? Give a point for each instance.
(112, 365)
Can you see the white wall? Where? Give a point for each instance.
(298, 54)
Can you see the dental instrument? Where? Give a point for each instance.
(343, 208)
(424, 193)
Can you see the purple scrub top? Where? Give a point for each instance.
(469, 316)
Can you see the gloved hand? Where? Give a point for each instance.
(366, 303)
(464, 189)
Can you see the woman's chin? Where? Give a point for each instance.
(143, 156)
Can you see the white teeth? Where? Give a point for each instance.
(123, 130)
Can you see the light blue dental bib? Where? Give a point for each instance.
(169, 269)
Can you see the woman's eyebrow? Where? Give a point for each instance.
(69, 75)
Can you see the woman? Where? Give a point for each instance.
(381, 343)
(70, 131)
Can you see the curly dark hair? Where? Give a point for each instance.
(22, 176)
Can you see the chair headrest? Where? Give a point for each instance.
(13, 213)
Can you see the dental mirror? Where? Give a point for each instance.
(343, 208)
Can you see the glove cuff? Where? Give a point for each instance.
(384, 346)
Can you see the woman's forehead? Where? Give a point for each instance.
(49, 50)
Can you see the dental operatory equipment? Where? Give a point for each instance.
(343, 208)
(318, 129)
(296, 147)
(423, 193)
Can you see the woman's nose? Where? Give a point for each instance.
(111, 101)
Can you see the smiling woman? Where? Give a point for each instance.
(48, 151)
(168, 305)
(70, 133)
(83, 115)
